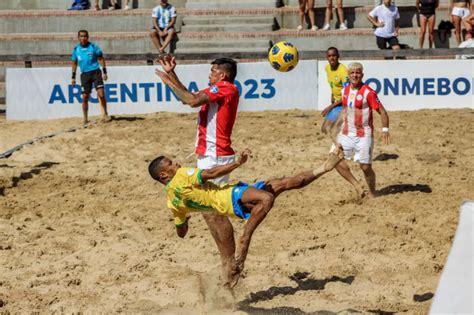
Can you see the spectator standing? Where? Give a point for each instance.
(459, 12)
(112, 4)
(385, 18)
(307, 6)
(328, 15)
(163, 19)
(427, 15)
(88, 55)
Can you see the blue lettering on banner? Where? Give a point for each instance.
(57, 95)
(456, 85)
(421, 86)
(410, 89)
(125, 93)
(155, 92)
(75, 93)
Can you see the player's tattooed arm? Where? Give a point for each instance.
(223, 170)
(186, 97)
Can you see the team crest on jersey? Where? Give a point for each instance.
(190, 172)
(214, 89)
(336, 78)
(359, 97)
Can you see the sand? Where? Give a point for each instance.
(84, 228)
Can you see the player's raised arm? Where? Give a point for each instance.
(186, 97)
(223, 170)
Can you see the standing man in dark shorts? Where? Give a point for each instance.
(89, 55)
(385, 18)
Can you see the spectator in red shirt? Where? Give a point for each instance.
(218, 103)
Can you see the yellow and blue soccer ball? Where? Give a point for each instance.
(283, 56)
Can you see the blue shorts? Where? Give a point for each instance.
(237, 193)
(334, 113)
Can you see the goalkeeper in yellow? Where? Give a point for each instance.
(338, 78)
(190, 190)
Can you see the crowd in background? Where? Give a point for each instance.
(384, 18)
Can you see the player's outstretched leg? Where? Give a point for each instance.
(259, 202)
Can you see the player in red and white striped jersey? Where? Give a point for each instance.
(357, 132)
(217, 115)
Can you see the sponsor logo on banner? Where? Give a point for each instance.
(422, 86)
(155, 92)
(413, 84)
(137, 90)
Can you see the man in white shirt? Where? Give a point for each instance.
(468, 43)
(163, 19)
(385, 18)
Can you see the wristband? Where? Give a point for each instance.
(104, 70)
(74, 75)
(384, 129)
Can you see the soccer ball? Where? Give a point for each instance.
(283, 56)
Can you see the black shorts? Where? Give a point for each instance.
(89, 78)
(391, 41)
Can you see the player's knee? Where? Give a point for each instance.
(153, 33)
(266, 200)
(85, 97)
(366, 168)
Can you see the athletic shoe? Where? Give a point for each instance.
(327, 27)
(343, 27)
(299, 28)
(314, 28)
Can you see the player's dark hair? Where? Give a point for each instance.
(154, 167)
(83, 31)
(228, 65)
(333, 48)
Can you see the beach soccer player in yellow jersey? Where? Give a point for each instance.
(338, 78)
(191, 190)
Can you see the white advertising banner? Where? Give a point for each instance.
(46, 93)
(412, 84)
(456, 285)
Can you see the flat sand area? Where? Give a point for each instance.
(84, 228)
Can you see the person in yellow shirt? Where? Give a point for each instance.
(338, 78)
(190, 190)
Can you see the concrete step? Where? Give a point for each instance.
(263, 27)
(64, 5)
(102, 21)
(357, 3)
(180, 50)
(139, 42)
(359, 39)
(225, 19)
(232, 43)
(219, 4)
(355, 17)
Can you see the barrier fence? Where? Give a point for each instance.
(400, 84)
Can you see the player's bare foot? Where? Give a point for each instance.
(106, 119)
(85, 121)
(233, 276)
(334, 158)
